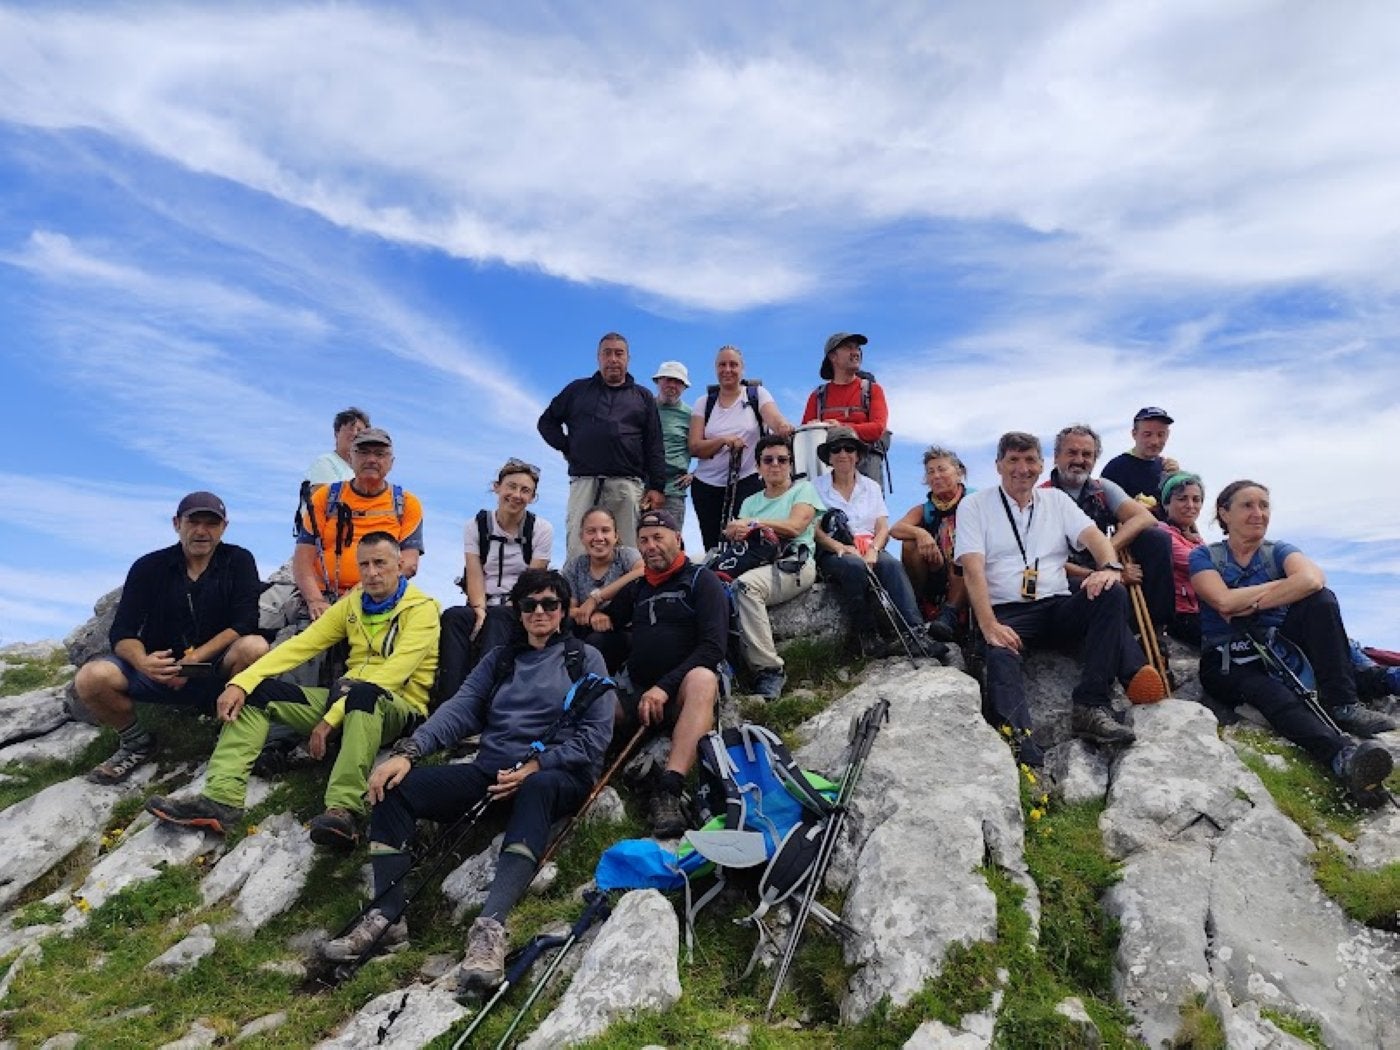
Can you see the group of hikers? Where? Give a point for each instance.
(553, 668)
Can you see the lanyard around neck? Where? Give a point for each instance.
(1011, 519)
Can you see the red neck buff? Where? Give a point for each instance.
(656, 579)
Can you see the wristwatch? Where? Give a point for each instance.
(1116, 566)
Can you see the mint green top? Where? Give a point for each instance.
(759, 506)
(675, 441)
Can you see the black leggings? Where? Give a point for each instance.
(709, 504)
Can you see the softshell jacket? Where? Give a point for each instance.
(402, 657)
(613, 431)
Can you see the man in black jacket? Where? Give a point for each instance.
(608, 430)
(187, 621)
(680, 622)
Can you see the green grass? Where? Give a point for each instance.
(1200, 1029)
(28, 675)
(1309, 1032)
(1315, 801)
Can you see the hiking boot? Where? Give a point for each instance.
(1099, 725)
(485, 964)
(122, 764)
(1363, 768)
(198, 812)
(1362, 721)
(944, 626)
(336, 829)
(1146, 686)
(666, 816)
(769, 684)
(373, 933)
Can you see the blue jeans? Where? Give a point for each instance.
(846, 573)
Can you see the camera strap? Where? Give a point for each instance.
(1011, 519)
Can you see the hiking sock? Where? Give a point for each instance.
(390, 866)
(673, 782)
(514, 871)
(135, 737)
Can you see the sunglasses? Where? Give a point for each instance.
(519, 466)
(529, 605)
(770, 461)
(844, 448)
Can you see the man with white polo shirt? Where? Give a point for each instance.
(1013, 542)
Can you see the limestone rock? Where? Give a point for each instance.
(44, 828)
(32, 714)
(63, 744)
(1073, 1010)
(468, 883)
(266, 870)
(62, 1041)
(607, 808)
(185, 955)
(1378, 842)
(90, 639)
(419, 1015)
(972, 1032)
(1218, 897)
(814, 615)
(630, 966)
(200, 1035)
(1079, 771)
(261, 1025)
(20, 652)
(956, 788)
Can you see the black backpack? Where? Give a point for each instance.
(751, 395)
(485, 536)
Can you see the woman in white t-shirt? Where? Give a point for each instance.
(487, 619)
(729, 420)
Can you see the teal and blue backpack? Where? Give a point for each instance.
(756, 807)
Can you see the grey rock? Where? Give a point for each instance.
(293, 968)
(435, 966)
(31, 714)
(62, 744)
(607, 808)
(1378, 842)
(420, 1015)
(266, 870)
(185, 955)
(261, 1025)
(20, 652)
(1088, 1033)
(62, 1041)
(90, 639)
(1246, 1028)
(958, 788)
(200, 1035)
(467, 884)
(44, 828)
(814, 615)
(630, 966)
(545, 878)
(1079, 771)
(739, 1035)
(1218, 898)
(972, 1032)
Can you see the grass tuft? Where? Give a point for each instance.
(27, 675)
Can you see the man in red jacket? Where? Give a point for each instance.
(852, 398)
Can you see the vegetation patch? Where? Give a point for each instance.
(1200, 1029)
(1315, 801)
(24, 676)
(1309, 1032)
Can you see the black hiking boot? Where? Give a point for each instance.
(1362, 721)
(198, 812)
(1099, 725)
(335, 829)
(122, 764)
(944, 626)
(1363, 768)
(666, 815)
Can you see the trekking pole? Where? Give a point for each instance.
(519, 967)
(593, 796)
(731, 486)
(1280, 669)
(902, 630)
(862, 741)
(598, 910)
(1150, 646)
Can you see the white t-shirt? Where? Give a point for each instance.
(1050, 528)
(867, 502)
(739, 419)
(502, 571)
(325, 470)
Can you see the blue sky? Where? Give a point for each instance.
(222, 223)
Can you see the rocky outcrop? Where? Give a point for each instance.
(186, 953)
(61, 744)
(404, 1019)
(1218, 899)
(630, 966)
(932, 808)
(90, 639)
(30, 715)
(813, 615)
(267, 871)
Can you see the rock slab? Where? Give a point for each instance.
(630, 966)
(266, 870)
(405, 1019)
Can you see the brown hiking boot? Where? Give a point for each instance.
(485, 964)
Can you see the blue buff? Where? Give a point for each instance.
(371, 607)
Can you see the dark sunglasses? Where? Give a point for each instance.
(529, 605)
(769, 461)
(844, 448)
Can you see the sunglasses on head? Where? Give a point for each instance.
(519, 466)
(769, 461)
(529, 605)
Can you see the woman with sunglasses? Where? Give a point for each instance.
(730, 419)
(491, 570)
(596, 576)
(790, 510)
(847, 566)
(512, 698)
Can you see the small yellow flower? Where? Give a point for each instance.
(1006, 731)
(252, 829)
(1036, 814)
(1030, 777)
(81, 903)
